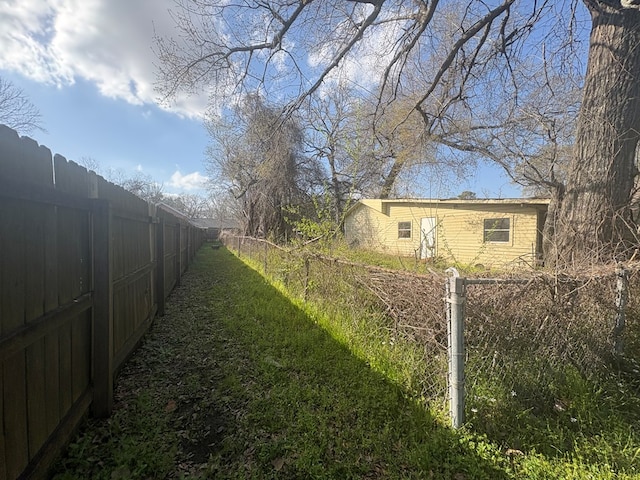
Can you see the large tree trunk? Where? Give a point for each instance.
(593, 221)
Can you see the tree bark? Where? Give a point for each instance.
(593, 223)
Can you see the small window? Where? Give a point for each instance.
(497, 230)
(404, 229)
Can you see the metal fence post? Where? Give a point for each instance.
(266, 254)
(622, 295)
(455, 328)
(306, 278)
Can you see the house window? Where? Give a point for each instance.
(404, 229)
(497, 230)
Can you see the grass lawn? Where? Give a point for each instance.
(237, 382)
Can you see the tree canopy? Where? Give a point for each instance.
(498, 81)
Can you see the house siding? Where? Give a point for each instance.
(373, 224)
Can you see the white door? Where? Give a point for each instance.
(427, 237)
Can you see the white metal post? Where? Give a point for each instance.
(622, 296)
(455, 330)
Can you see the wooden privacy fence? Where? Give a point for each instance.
(85, 266)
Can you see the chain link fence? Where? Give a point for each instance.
(521, 337)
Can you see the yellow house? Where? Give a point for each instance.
(487, 232)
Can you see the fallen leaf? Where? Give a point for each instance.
(278, 463)
(171, 406)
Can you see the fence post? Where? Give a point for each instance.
(266, 253)
(455, 328)
(102, 310)
(178, 258)
(160, 286)
(306, 278)
(622, 295)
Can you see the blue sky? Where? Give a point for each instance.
(89, 68)
(80, 122)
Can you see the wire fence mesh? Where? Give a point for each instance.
(520, 338)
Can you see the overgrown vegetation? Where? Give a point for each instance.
(237, 381)
(541, 382)
(244, 379)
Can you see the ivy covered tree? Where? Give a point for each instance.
(259, 156)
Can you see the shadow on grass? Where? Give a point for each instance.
(236, 382)
(302, 405)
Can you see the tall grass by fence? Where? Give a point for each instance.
(524, 339)
(85, 266)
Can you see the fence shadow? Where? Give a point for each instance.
(304, 361)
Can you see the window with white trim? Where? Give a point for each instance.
(404, 229)
(497, 230)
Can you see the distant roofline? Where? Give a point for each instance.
(172, 210)
(531, 201)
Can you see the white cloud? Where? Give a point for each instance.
(107, 42)
(191, 181)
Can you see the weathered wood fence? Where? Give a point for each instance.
(85, 266)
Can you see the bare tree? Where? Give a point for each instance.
(466, 55)
(192, 205)
(143, 186)
(140, 184)
(17, 111)
(260, 158)
(223, 206)
(338, 138)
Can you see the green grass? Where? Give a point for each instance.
(315, 410)
(592, 434)
(339, 249)
(238, 381)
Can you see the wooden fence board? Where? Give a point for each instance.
(34, 262)
(3, 443)
(64, 357)
(12, 266)
(11, 166)
(52, 380)
(119, 314)
(103, 314)
(51, 260)
(68, 274)
(117, 242)
(15, 417)
(36, 396)
(160, 266)
(23, 160)
(36, 161)
(80, 354)
(70, 177)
